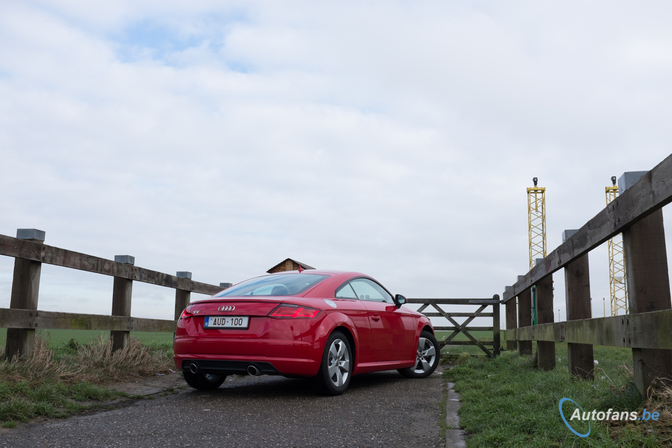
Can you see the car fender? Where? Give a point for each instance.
(423, 323)
(330, 323)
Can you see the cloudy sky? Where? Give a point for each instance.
(394, 138)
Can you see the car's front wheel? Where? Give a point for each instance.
(427, 357)
(336, 367)
(203, 381)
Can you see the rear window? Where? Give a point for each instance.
(274, 285)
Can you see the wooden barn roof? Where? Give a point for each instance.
(289, 264)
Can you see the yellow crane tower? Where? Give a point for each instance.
(536, 221)
(617, 286)
(536, 226)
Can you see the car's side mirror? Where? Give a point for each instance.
(399, 300)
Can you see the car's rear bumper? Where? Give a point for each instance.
(277, 357)
(239, 365)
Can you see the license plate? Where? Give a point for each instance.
(227, 322)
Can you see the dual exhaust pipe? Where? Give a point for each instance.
(251, 370)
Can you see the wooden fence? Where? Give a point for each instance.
(434, 305)
(23, 318)
(647, 329)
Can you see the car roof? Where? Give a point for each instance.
(333, 274)
(329, 272)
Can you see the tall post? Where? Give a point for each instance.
(648, 290)
(511, 322)
(545, 349)
(182, 297)
(25, 292)
(496, 342)
(121, 303)
(525, 319)
(577, 301)
(648, 286)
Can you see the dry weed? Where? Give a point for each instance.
(94, 363)
(97, 363)
(659, 399)
(40, 365)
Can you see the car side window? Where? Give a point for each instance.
(346, 292)
(369, 290)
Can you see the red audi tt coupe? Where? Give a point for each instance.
(323, 324)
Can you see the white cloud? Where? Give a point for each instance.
(388, 137)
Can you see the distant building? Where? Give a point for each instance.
(289, 265)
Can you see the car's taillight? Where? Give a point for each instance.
(294, 312)
(186, 313)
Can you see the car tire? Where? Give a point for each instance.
(203, 381)
(427, 357)
(336, 367)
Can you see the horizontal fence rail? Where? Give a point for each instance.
(36, 251)
(636, 214)
(23, 317)
(644, 330)
(50, 320)
(435, 310)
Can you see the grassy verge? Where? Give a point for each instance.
(69, 378)
(509, 402)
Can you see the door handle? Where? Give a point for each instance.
(375, 318)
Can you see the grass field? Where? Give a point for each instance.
(59, 338)
(507, 401)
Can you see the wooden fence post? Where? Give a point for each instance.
(25, 292)
(496, 340)
(577, 302)
(545, 349)
(648, 290)
(182, 297)
(121, 303)
(525, 319)
(511, 322)
(512, 318)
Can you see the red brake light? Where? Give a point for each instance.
(294, 312)
(186, 313)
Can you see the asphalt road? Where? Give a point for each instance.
(378, 410)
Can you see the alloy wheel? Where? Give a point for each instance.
(338, 363)
(426, 356)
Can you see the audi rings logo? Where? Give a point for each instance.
(226, 308)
